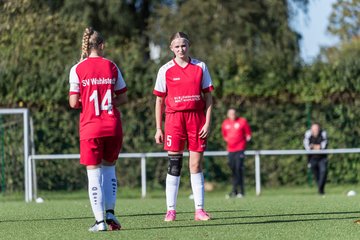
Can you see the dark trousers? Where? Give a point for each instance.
(319, 169)
(236, 164)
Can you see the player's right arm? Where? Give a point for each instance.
(223, 131)
(74, 93)
(159, 107)
(306, 140)
(74, 101)
(160, 93)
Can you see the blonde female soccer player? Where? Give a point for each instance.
(184, 86)
(97, 87)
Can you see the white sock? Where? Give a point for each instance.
(110, 186)
(95, 193)
(197, 185)
(172, 187)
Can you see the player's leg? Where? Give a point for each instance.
(314, 169)
(91, 155)
(194, 122)
(241, 171)
(96, 197)
(231, 163)
(197, 185)
(237, 174)
(110, 189)
(197, 178)
(172, 183)
(322, 175)
(112, 147)
(174, 143)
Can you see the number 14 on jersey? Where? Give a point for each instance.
(106, 103)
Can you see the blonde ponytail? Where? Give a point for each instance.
(85, 42)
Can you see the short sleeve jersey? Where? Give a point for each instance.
(97, 80)
(182, 87)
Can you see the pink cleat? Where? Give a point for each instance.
(112, 222)
(201, 215)
(170, 216)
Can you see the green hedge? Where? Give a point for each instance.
(257, 70)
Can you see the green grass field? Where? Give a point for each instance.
(291, 213)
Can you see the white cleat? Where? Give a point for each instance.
(98, 227)
(112, 221)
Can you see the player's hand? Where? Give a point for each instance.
(159, 136)
(205, 130)
(317, 147)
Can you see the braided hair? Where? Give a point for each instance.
(91, 40)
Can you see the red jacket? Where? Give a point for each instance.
(235, 134)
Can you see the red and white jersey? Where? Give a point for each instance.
(182, 87)
(97, 80)
(235, 133)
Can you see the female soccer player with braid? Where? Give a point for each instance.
(184, 86)
(97, 87)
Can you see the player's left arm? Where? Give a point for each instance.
(324, 142)
(120, 99)
(207, 87)
(224, 132)
(247, 131)
(205, 130)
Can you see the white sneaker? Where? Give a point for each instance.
(98, 226)
(239, 195)
(112, 221)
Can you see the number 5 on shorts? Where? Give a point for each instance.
(168, 140)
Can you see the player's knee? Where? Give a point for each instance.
(175, 164)
(108, 163)
(195, 166)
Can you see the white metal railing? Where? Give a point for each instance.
(31, 184)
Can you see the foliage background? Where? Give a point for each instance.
(253, 57)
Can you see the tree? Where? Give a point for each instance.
(345, 19)
(252, 54)
(248, 45)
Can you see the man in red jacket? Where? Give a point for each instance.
(236, 133)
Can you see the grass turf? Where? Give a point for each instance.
(290, 213)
